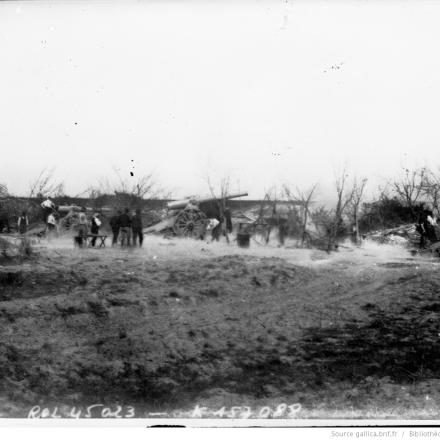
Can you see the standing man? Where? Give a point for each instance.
(216, 229)
(228, 217)
(4, 219)
(137, 227)
(114, 224)
(82, 228)
(48, 208)
(421, 229)
(22, 223)
(51, 224)
(125, 227)
(282, 230)
(224, 229)
(94, 228)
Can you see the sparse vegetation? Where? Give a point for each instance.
(251, 325)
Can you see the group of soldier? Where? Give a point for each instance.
(126, 228)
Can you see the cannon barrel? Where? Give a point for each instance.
(180, 204)
(75, 208)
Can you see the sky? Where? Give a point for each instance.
(265, 92)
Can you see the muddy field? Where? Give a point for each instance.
(183, 323)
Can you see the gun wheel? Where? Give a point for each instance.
(190, 223)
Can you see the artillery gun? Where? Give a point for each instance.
(189, 217)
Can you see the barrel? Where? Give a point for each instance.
(181, 204)
(243, 239)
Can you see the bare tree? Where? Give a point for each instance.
(383, 195)
(431, 188)
(322, 219)
(101, 188)
(44, 185)
(356, 198)
(267, 221)
(409, 187)
(3, 190)
(344, 197)
(219, 193)
(145, 185)
(305, 200)
(221, 190)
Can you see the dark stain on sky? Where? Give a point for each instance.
(334, 67)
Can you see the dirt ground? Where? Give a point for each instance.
(182, 322)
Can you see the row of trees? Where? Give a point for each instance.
(122, 192)
(397, 201)
(46, 185)
(329, 223)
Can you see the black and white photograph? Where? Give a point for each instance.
(220, 213)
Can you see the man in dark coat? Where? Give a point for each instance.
(114, 224)
(125, 227)
(4, 223)
(228, 219)
(137, 227)
(22, 223)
